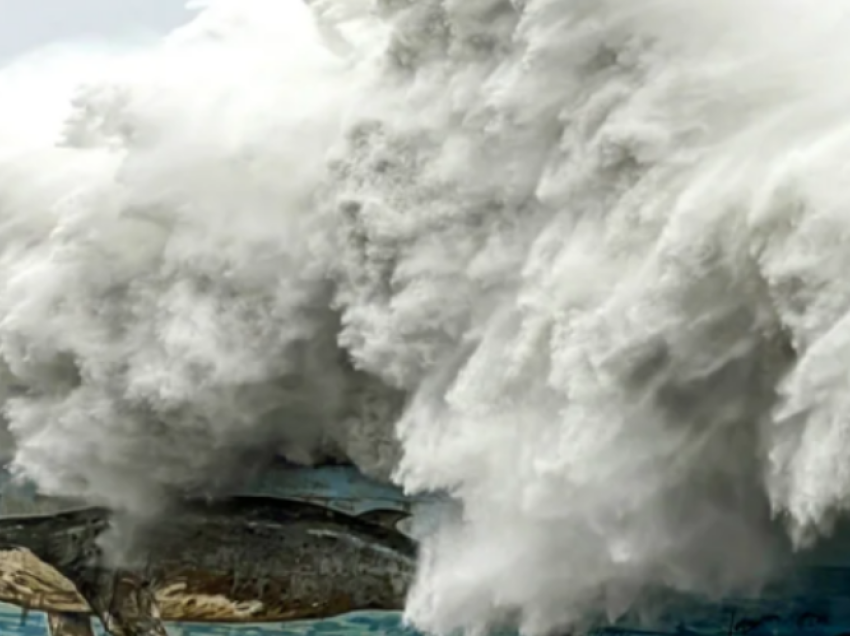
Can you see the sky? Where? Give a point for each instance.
(28, 24)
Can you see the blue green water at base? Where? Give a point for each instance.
(363, 623)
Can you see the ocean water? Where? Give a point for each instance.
(360, 624)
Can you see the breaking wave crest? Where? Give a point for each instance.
(582, 264)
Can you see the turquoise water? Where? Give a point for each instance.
(376, 623)
(12, 623)
(817, 614)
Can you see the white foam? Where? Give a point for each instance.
(588, 255)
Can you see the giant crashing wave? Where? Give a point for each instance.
(579, 263)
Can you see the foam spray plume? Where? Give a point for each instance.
(577, 263)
